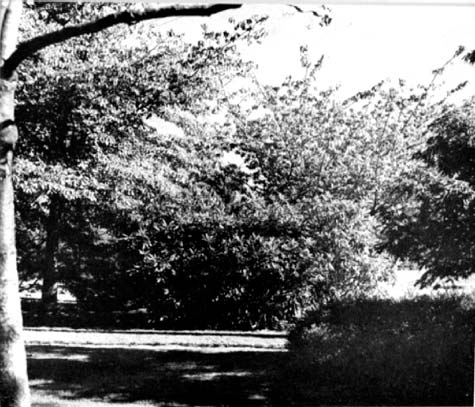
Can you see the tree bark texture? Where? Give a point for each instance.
(14, 391)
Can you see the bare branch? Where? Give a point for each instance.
(28, 48)
(326, 19)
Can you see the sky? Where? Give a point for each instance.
(363, 44)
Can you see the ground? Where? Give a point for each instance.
(141, 368)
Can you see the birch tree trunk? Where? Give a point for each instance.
(14, 391)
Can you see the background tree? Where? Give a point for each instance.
(278, 199)
(97, 125)
(281, 198)
(432, 222)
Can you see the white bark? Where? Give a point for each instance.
(14, 391)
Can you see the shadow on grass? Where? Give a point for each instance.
(366, 352)
(170, 377)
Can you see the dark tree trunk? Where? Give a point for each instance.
(49, 290)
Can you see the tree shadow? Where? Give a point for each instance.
(172, 377)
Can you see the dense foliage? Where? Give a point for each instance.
(277, 214)
(432, 221)
(374, 352)
(148, 184)
(198, 206)
(81, 127)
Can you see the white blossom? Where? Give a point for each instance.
(162, 127)
(233, 158)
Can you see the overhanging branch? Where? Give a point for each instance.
(28, 48)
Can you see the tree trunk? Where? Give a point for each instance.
(49, 290)
(14, 391)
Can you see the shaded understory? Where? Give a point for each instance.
(383, 352)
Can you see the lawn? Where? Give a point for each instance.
(368, 352)
(71, 369)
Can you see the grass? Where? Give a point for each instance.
(368, 352)
(221, 341)
(129, 377)
(382, 352)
